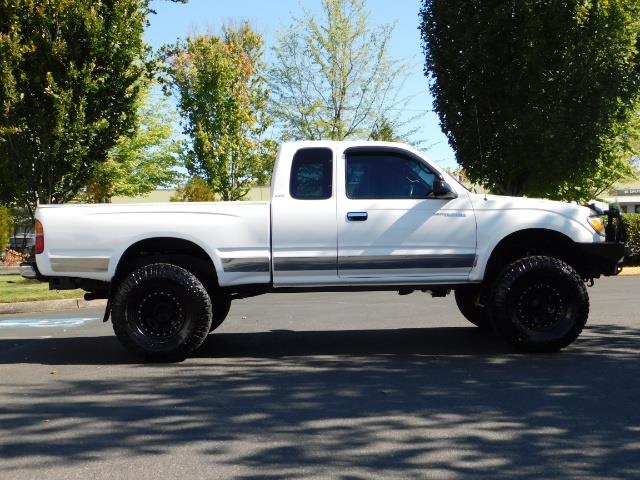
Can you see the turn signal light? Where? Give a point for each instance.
(597, 225)
(39, 237)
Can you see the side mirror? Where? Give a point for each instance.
(441, 189)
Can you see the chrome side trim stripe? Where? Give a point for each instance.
(236, 265)
(401, 262)
(392, 262)
(380, 262)
(79, 264)
(296, 264)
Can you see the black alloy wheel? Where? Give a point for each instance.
(539, 304)
(161, 311)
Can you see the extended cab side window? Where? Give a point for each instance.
(312, 174)
(387, 175)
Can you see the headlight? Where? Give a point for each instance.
(597, 225)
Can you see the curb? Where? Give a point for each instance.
(47, 305)
(630, 271)
(9, 270)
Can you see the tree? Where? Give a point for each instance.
(137, 165)
(222, 99)
(6, 227)
(619, 163)
(195, 190)
(333, 78)
(69, 74)
(536, 97)
(384, 131)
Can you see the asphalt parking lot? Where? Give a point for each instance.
(350, 386)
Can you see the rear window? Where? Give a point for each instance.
(312, 174)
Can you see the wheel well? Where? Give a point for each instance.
(529, 242)
(176, 251)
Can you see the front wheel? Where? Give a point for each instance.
(539, 304)
(161, 311)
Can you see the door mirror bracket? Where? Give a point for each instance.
(441, 189)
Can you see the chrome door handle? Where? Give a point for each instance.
(357, 216)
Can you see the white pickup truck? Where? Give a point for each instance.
(343, 216)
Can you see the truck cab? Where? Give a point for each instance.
(365, 214)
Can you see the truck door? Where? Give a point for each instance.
(304, 236)
(391, 228)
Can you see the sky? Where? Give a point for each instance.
(176, 20)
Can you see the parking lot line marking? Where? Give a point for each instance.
(46, 322)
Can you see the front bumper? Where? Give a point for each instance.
(602, 258)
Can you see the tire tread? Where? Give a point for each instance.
(499, 297)
(194, 289)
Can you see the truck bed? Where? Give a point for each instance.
(82, 239)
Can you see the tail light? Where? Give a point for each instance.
(39, 237)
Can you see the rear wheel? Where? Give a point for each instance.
(221, 307)
(161, 311)
(467, 299)
(539, 304)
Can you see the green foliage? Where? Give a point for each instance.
(222, 98)
(536, 97)
(6, 227)
(632, 224)
(14, 288)
(69, 72)
(137, 165)
(195, 190)
(384, 131)
(618, 162)
(332, 78)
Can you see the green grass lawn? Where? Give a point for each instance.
(14, 288)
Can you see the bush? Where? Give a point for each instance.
(195, 190)
(13, 258)
(632, 224)
(6, 227)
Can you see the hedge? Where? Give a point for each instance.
(6, 227)
(632, 224)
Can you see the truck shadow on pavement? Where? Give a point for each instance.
(406, 403)
(106, 350)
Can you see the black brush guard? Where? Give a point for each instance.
(606, 258)
(615, 231)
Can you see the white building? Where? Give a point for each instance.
(627, 196)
